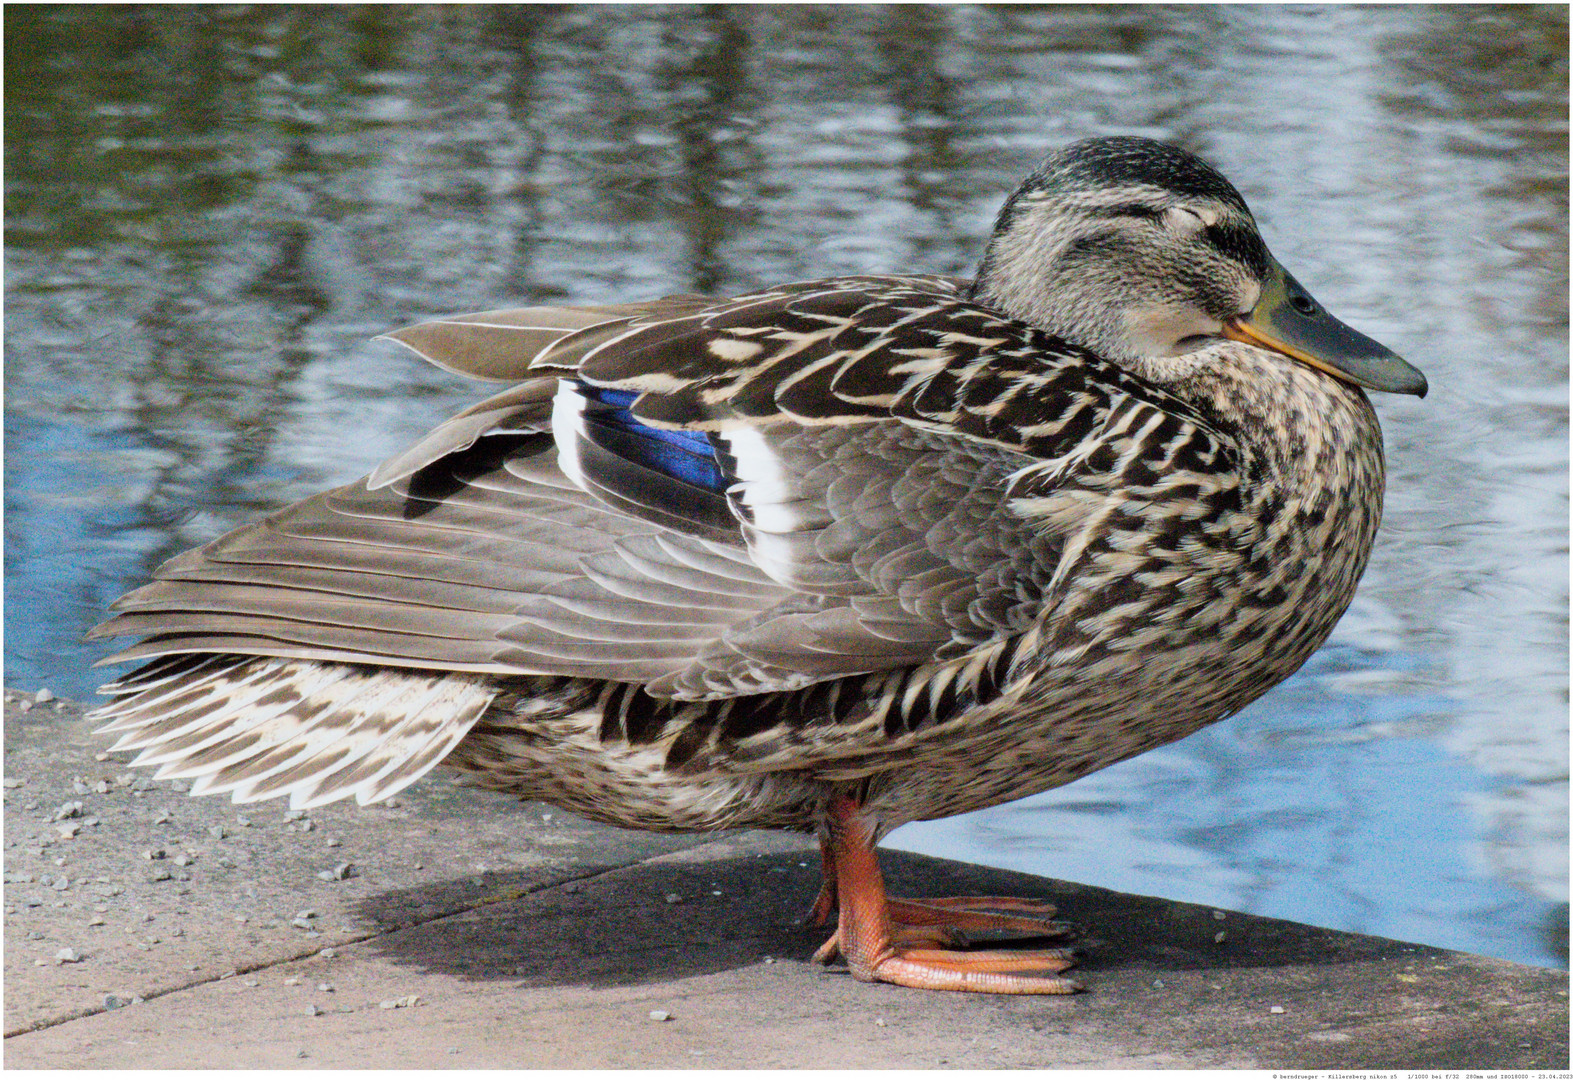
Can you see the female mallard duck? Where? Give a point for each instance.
(838, 555)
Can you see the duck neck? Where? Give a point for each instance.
(1030, 272)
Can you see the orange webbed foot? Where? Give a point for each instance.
(902, 941)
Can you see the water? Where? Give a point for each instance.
(212, 210)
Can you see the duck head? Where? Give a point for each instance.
(1136, 249)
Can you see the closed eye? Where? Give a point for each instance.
(1134, 210)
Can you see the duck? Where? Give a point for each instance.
(829, 557)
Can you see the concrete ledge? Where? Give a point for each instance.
(470, 931)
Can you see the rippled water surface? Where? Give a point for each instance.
(210, 211)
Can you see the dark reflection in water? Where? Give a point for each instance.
(212, 210)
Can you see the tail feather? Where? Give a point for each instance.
(262, 727)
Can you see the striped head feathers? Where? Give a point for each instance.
(1139, 251)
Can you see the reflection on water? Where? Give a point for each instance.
(212, 210)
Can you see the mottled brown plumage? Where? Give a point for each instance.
(839, 555)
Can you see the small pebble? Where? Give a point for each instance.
(307, 914)
(324, 988)
(338, 873)
(673, 898)
(96, 920)
(303, 924)
(243, 822)
(327, 954)
(1276, 1009)
(156, 853)
(67, 829)
(301, 1052)
(657, 1014)
(332, 842)
(1219, 937)
(184, 860)
(160, 875)
(68, 956)
(217, 832)
(879, 1021)
(44, 694)
(1219, 915)
(14, 783)
(68, 810)
(313, 1010)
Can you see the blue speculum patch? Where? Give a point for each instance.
(688, 456)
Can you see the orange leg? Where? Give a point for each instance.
(953, 913)
(878, 951)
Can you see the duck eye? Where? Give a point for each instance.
(1182, 219)
(1302, 303)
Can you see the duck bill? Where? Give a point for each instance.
(1287, 320)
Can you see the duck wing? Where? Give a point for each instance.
(709, 497)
